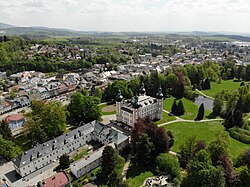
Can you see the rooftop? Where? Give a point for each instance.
(57, 180)
(14, 117)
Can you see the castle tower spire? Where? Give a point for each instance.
(142, 89)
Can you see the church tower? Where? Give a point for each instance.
(159, 106)
(119, 99)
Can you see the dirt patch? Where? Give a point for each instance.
(109, 108)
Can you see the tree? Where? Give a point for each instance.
(144, 147)
(47, 120)
(110, 164)
(150, 140)
(243, 178)
(181, 109)
(83, 108)
(227, 165)
(206, 85)
(98, 93)
(168, 164)
(219, 146)
(200, 114)
(218, 104)
(198, 146)
(5, 130)
(174, 108)
(64, 161)
(234, 118)
(36, 133)
(244, 159)
(186, 150)
(8, 149)
(201, 172)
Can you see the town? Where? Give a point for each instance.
(132, 110)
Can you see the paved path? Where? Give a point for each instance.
(204, 94)
(125, 168)
(178, 119)
(189, 121)
(106, 118)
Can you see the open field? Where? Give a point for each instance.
(216, 38)
(107, 109)
(206, 131)
(136, 175)
(165, 118)
(191, 109)
(225, 85)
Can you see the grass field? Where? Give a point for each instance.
(216, 38)
(165, 118)
(191, 109)
(107, 109)
(206, 131)
(137, 175)
(79, 155)
(225, 85)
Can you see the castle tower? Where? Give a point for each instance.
(159, 108)
(119, 99)
(142, 89)
(136, 107)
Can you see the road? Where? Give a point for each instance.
(204, 94)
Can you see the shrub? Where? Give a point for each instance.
(239, 134)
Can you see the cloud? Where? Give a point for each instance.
(130, 15)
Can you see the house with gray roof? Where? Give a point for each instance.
(50, 151)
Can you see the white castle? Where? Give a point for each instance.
(129, 111)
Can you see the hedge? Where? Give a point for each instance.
(239, 134)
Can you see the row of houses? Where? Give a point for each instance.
(44, 154)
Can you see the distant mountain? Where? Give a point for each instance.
(45, 32)
(6, 26)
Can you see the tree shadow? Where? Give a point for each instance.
(211, 116)
(135, 170)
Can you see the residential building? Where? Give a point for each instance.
(50, 151)
(15, 121)
(129, 111)
(60, 179)
(89, 163)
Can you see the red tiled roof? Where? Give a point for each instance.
(14, 117)
(56, 180)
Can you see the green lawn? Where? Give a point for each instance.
(165, 118)
(216, 38)
(79, 182)
(107, 109)
(80, 154)
(191, 109)
(206, 131)
(137, 175)
(225, 85)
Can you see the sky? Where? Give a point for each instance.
(130, 15)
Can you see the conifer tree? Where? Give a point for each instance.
(200, 114)
(174, 108)
(181, 109)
